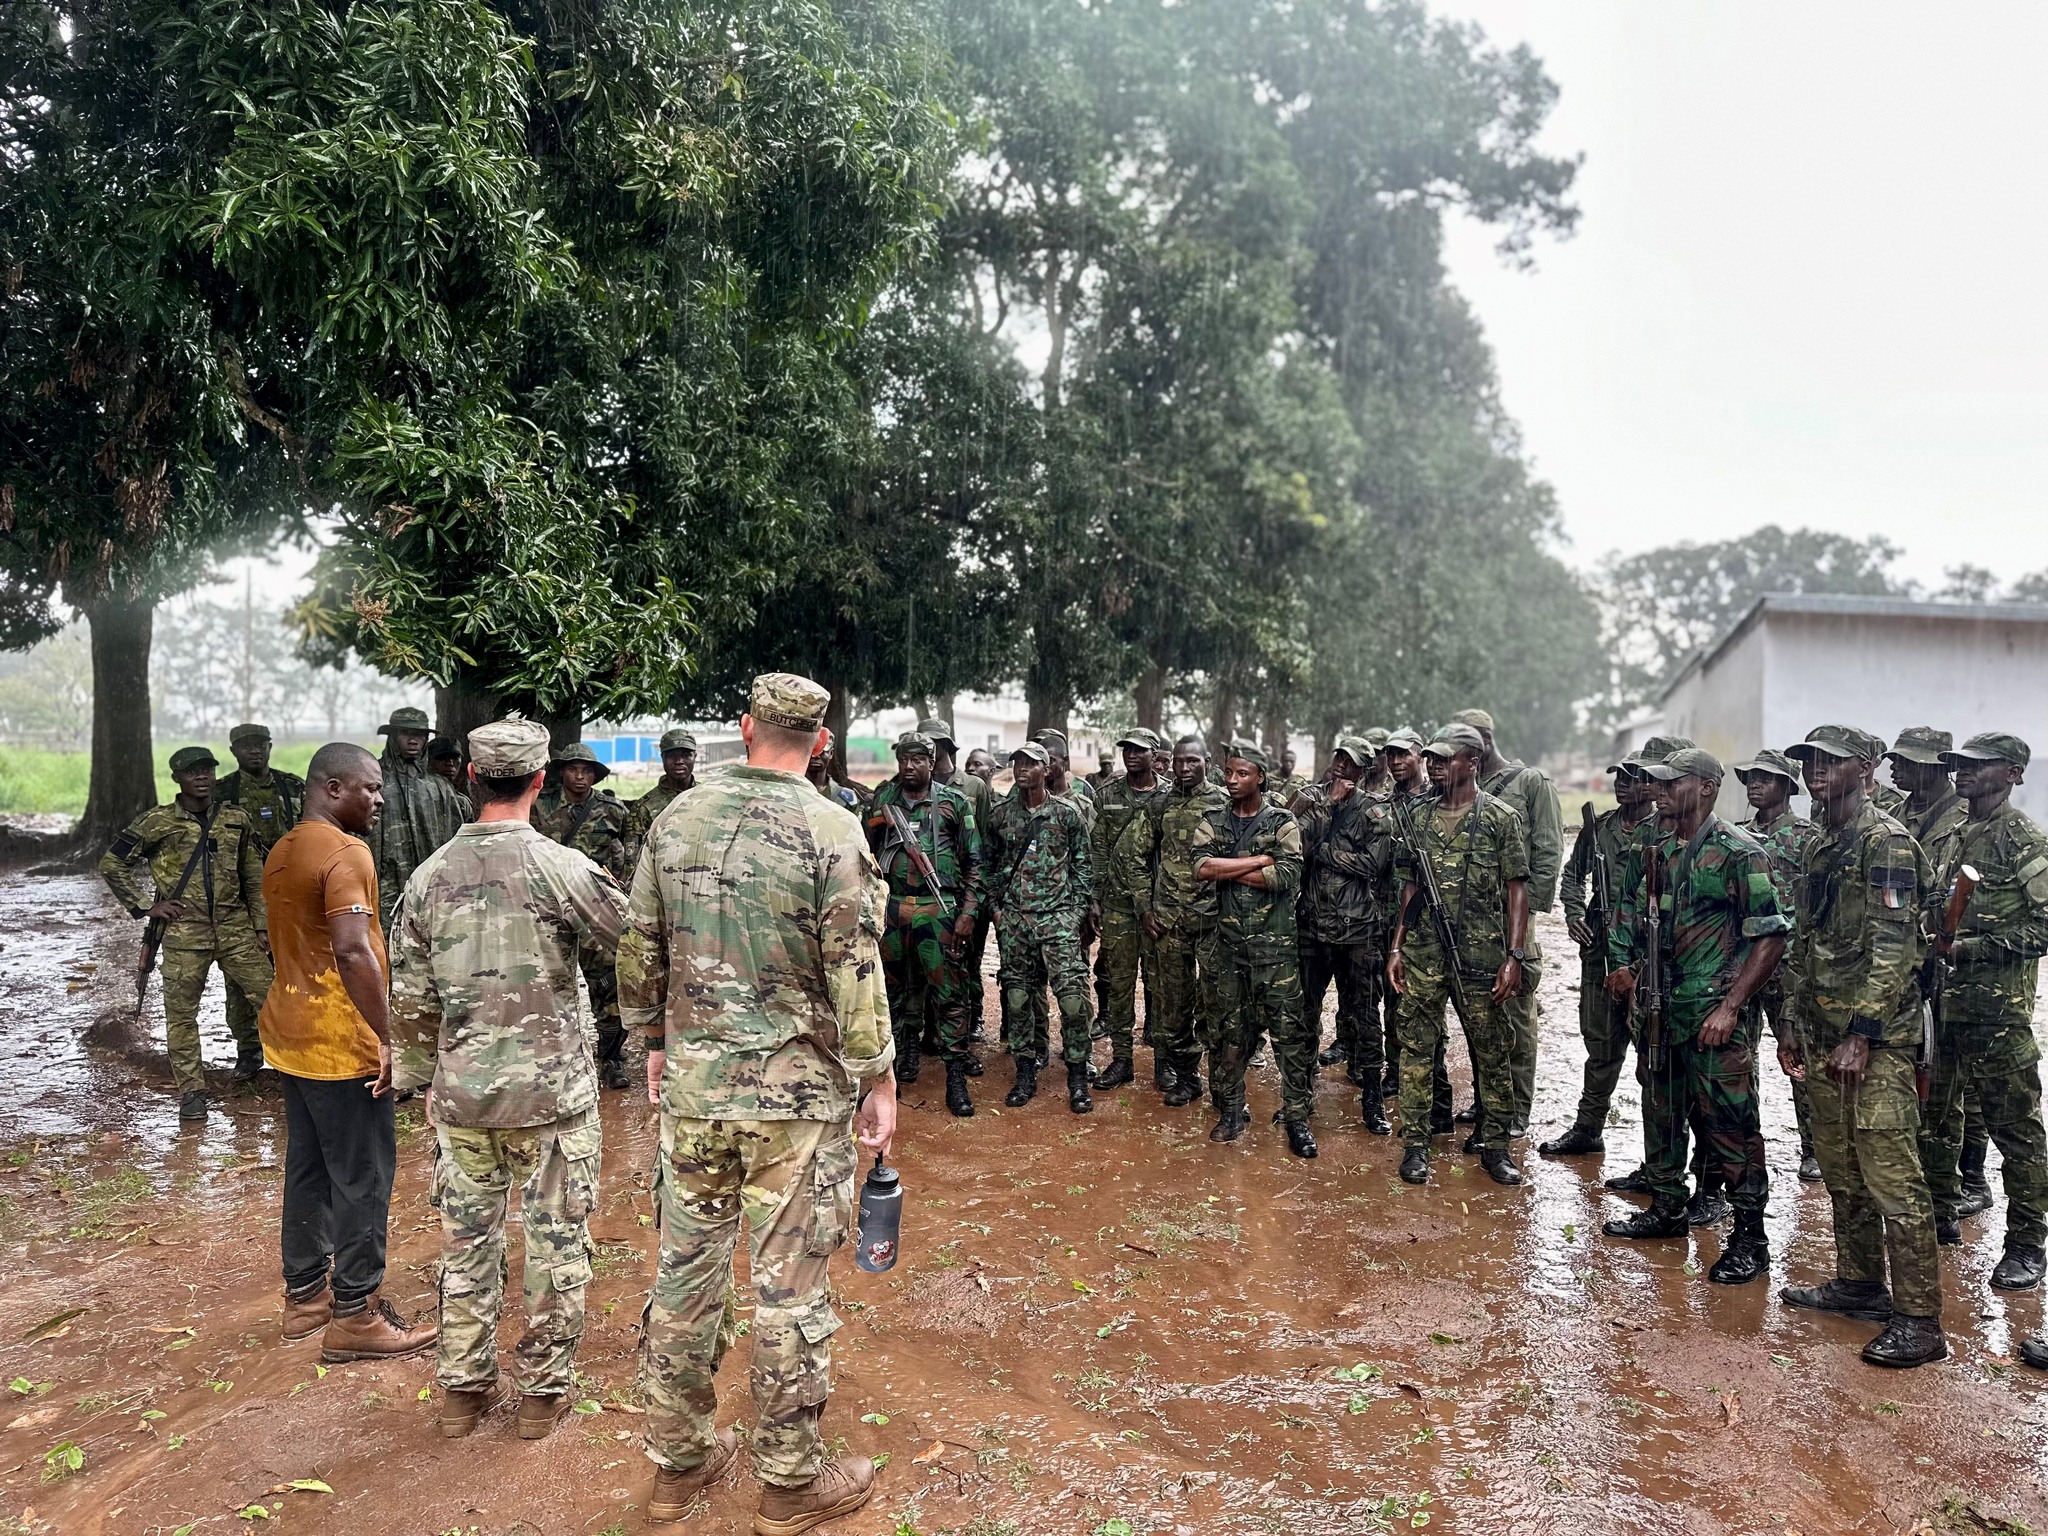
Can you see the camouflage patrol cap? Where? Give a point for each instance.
(1250, 753)
(678, 740)
(941, 733)
(1376, 738)
(1140, 737)
(1837, 741)
(1359, 749)
(1031, 751)
(1922, 744)
(1054, 742)
(185, 759)
(249, 732)
(1478, 719)
(1107, 760)
(1990, 747)
(406, 719)
(915, 741)
(784, 699)
(1687, 763)
(1459, 736)
(443, 746)
(508, 749)
(1401, 739)
(1768, 760)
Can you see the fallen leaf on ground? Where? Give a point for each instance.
(300, 1485)
(1409, 1387)
(931, 1452)
(40, 1416)
(52, 1327)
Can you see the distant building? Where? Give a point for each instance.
(1880, 663)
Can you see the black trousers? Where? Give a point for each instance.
(1355, 970)
(340, 1155)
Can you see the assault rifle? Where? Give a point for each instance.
(919, 859)
(1649, 990)
(153, 930)
(1934, 975)
(1432, 894)
(1603, 892)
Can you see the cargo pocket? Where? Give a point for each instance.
(813, 1377)
(832, 1169)
(571, 1274)
(581, 1149)
(1886, 1101)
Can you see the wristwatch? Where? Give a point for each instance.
(1518, 955)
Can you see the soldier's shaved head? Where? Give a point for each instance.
(344, 787)
(341, 760)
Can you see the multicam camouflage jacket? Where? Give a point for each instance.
(754, 944)
(1255, 921)
(272, 807)
(944, 826)
(1121, 844)
(226, 887)
(1179, 900)
(596, 828)
(1347, 851)
(1856, 938)
(1475, 860)
(2004, 931)
(486, 1002)
(1039, 869)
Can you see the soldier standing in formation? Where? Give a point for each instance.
(272, 800)
(484, 1008)
(819, 772)
(421, 809)
(1407, 785)
(1121, 847)
(981, 764)
(1181, 920)
(976, 787)
(678, 777)
(579, 815)
(751, 963)
(444, 756)
(206, 890)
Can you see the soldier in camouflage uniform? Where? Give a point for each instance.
(946, 770)
(678, 777)
(484, 1008)
(1348, 854)
(1479, 855)
(272, 800)
(1852, 989)
(421, 809)
(752, 962)
(1287, 783)
(1528, 792)
(206, 874)
(1250, 849)
(1041, 883)
(577, 814)
(1120, 851)
(1408, 784)
(1181, 919)
(1769, 780)
(925, 930)
(444, 756)
(1059, 773)
(1984, 1037)
(1722, 935)
(1595, 861)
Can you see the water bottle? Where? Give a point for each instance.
(881, 1219)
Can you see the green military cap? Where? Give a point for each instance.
(941, 733)
(1478, 719)
(248, 732)
(1031, 751)
(443, 746)
(1141, 737)
(1837, 741)
(1658, 748)
(579, 752)
(1984, 747)
(785, 699)
(185, 759)
(1921, 744)
(1358, 748)
(406, 719)
(1687, 763)
(1376, 738)
(1769, 760)
(1459, 736)
(915, 741)
(1250, 753)
(1052, 740)
(508, 749)
(678, 740)
(1401, 739)
(1107, 760)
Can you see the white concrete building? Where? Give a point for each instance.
(1879, 663)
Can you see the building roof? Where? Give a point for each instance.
(1852, 606)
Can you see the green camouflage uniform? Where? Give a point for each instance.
(1393, 808)
(484, 1007)
(1185, 909)
(754, 943)
(983, 799)
(421, 812)
(1347, 861)
(599, 834)
(1474, 862)
(917, 927)
(224, 913)
(1930, 827)
(1984, 1039)
(1040, 881)
(1120, 850)
(1254, 955)
(1527, 791)
(640, 816)
(273, 808)
(1854, 964)
(1603, 1022)
(1783, 840)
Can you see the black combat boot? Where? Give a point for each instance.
(1907, 1342)
(1709, 1207)
(971, 1063)
(248, 1063)
(1373, 1110)
(1026, 1086)
(1867, 1299)
(1473, 1144)
(612, 1072)
(1415, 1165)
(1187, 1087)
(1664, 1218)
(1469, 1115)
(1576, 1142)
(1809, 1169)
(1077, 1088)
(1162, 1074)
(1230, 1124)
(2034, 1352)
(1635, 1182)
(1119, 1073)
(1500, 1167)
(1947, 1231)
(192, 1107)
(2019, 1270)
(1441, 1124)
(958, 1099)
(1747, 1253)
(1300, 1140)
(1333, 1055)
(909, 1060)
(1976, 1188)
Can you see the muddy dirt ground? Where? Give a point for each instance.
(1101, 1325)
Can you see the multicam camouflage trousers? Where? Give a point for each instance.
(1181, 1030)
(2000, 1063)
(915, 964)
(554, 1167)
(1489, 1034)
(1254, 994)
(1867, 1143)
(244, 967)
(1037, 952)
(791, 1181)
(1126, 949)
(1710, 1090)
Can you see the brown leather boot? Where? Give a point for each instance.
(306, 1315)
(463, 1408)
(375, 1333)
(539, 1413)
(673, 1491)
(840, 1488)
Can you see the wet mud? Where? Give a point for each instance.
(1101, 1324)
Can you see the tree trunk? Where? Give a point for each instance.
(943, 708)
(1045, 708)
(460, 708)
(1225, 726)
(1150, 698)
(564, 725)
(838, 716)
(1274, 729)
(123, 783)
(1326, 747)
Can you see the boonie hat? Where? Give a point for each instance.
(1460, 736)
(1991, 747)
(678, 740)
(1769, 760)
(250, 731)
(579, 752)
(1922, 744)
(1052, 740)
(406, 719)
(187, 758)
(941, 733)
(789, 701)
(507, 749)
(1687, 762)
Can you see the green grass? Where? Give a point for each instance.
(33, 781)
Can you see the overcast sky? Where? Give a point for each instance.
(1808, 283)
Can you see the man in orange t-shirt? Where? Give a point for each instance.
(326, 1031)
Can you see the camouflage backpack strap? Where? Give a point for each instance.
(577, 816)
